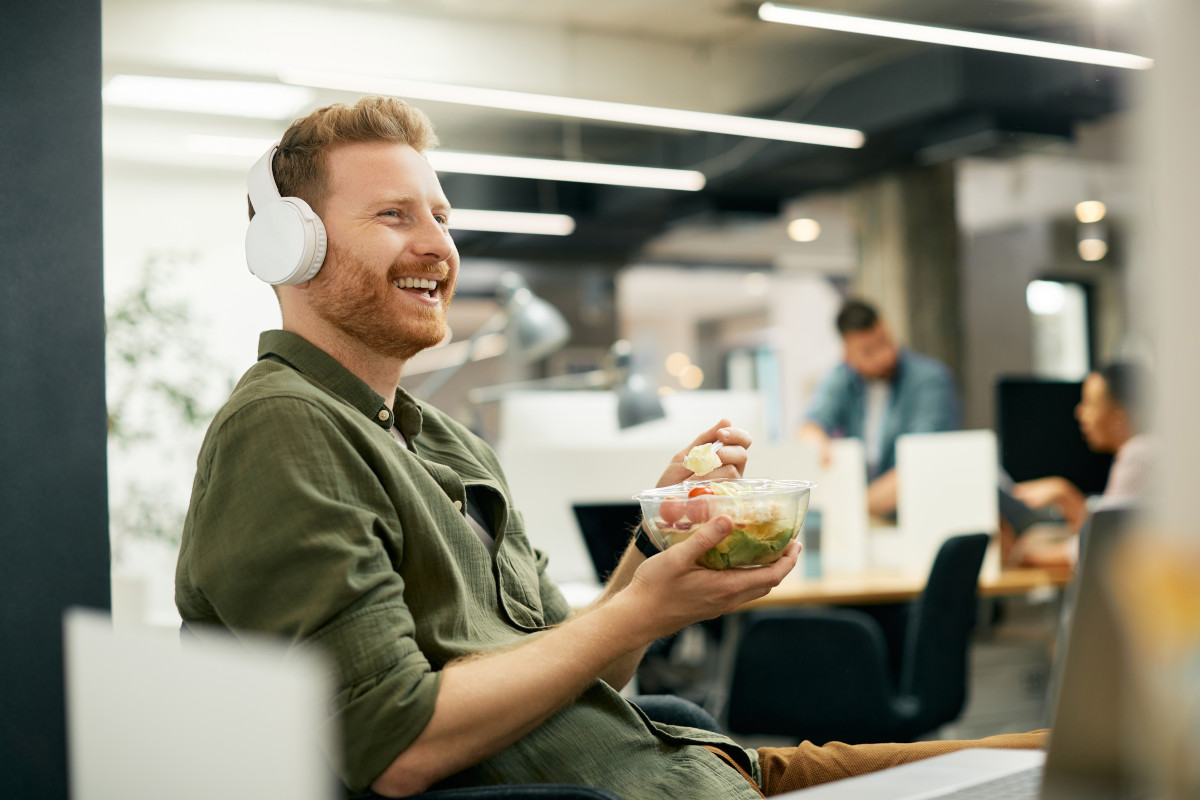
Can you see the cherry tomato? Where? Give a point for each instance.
(699, 490)
(672, 511)
(697, 508)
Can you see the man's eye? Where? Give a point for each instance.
(443, 219)
(390, 213)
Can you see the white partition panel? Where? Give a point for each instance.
(572, 419)
(546, 481)
(947, 486)
(844, 520)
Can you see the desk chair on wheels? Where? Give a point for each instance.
(823, 675)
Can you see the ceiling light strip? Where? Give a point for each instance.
(791, 15)
(251, 99)
(576, 171)
(651, 116)
(469, 219)
(496, 165)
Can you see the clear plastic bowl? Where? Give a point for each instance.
(767, 514)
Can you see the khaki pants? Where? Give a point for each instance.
(786, 769)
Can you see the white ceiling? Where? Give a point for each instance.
(706, 55)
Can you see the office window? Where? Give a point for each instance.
(1060, 318)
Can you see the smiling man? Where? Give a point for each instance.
(332, 509)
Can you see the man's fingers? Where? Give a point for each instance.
(710, 435)
(733, 437)
(703, 538)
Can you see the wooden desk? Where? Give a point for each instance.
(887, 586)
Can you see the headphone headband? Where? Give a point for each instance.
(260, 183)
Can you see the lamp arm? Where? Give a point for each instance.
(592, 379)
(430, 386)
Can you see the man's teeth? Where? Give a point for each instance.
(414, 283)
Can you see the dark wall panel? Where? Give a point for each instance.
(53, 497)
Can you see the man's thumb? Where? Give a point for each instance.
(705, 537)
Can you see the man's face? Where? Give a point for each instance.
(386, 218)
(871, 353)
(1103, 423)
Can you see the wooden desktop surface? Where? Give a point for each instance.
(888, 586)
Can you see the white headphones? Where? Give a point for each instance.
(285, 243)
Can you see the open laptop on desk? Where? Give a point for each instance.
(1083, 761)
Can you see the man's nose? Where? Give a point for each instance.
(432, 240)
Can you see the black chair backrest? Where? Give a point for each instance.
(606, 529)
(818, 673)
(936, 651)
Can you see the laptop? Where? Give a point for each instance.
(1083, 759)
(215, 718)
(606, 529)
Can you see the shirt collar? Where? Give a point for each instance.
(313, 362)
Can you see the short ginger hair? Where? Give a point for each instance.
(299, 164)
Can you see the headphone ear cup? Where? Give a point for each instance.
(286, 242)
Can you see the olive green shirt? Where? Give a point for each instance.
(309, 520)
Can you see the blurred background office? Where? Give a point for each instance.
(984, 201)
(1023, 218)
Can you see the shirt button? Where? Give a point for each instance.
(458, 504)
(383, 415)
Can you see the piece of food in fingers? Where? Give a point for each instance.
(767, 514)
(703, 459)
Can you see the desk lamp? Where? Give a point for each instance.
(532, 327)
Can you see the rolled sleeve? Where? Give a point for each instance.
(292, 534)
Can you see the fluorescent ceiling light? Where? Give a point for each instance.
(774, 12)
(229, 98)
(577, 108)
(468, 219)
(487, 164)
(577, 171)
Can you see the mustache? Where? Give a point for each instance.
(441, 269)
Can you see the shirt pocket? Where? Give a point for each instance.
(518, 582)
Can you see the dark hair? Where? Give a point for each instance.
(856, 316)
(1125, 382)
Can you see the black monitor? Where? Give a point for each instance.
(607, 529)
(1039, 436)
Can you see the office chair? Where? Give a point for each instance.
(822, 674)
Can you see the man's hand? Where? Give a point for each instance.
(1054, 491)
(734, 443)
(882, 494)
(671, 590)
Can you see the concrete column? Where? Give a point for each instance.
(909, 258)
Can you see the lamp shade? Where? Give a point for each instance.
(637, 399)
(637, 402)
(535, 328)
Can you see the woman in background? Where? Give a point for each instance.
(1109, 414)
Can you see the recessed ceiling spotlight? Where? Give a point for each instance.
(1090, 211)
(1092, 249)
(804, 230)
